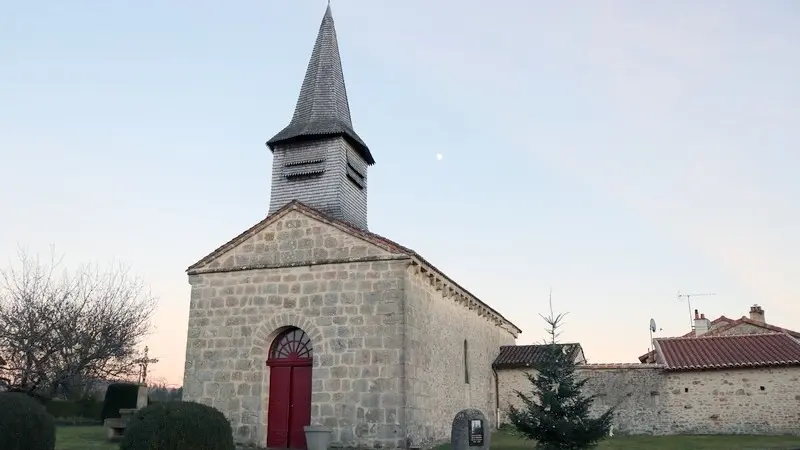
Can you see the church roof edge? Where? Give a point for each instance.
(369, 236)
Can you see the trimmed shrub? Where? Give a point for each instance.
(69, 409)
(178, 426)
(42, 399)
(25, 424)
(119, 395)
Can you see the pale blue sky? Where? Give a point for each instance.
(615, 151)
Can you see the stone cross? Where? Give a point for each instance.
(143, 362)
(470, 431)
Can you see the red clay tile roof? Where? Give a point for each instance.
(518, 356)
(651, 353)
(643, 359)
(729, 352)
(731, 323)
(376, 239)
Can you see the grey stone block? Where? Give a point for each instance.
(470, 431)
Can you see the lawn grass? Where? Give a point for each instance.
(83, 438)
(502, 440)
(94, 438)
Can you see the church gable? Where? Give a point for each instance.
(296, 235)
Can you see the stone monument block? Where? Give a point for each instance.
(141, 397)
(470, 431)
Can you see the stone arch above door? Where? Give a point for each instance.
(263, 338)
(274, 326)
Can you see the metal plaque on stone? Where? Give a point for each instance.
(470, 431)
(476, 433)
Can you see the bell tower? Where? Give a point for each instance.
(318, 159)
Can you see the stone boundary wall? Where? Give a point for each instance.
(635, 388)
(653, 401)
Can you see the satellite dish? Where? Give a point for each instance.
(652, 325)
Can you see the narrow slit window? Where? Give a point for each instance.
(466, 363)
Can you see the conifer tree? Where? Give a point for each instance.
(555, 414)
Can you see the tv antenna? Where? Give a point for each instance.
(688, 298)
(652, 330)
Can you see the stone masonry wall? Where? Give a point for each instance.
(436, 329)
(636, 390)
(653, 401)
(732, 401)
(350, 310)
(631, 386)
(746, 328)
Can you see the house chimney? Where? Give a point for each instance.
(757, 314)
(701, 324)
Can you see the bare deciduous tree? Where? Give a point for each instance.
(59, 329)
(160, 391)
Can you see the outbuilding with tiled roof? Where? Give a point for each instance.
(728, 352)
(528, 356)
(724, 326)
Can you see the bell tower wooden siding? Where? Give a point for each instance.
(318, 158)
(316, 173)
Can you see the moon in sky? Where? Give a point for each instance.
(439, 156)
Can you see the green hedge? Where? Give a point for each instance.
(61, 409)
(25, 424)
(119, 396)
(178, 426)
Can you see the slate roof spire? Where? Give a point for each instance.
(322, 109)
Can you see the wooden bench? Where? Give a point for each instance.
(115, 427)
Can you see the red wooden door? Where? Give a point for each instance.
(279, 405)
(300, 413)
(289, 411)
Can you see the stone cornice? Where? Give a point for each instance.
(320, 262)
(452, 290)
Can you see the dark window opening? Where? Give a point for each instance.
(466, 363)
(762, 388)
(355, 176)
(302, 170)
(304, 175)
(303, 163)
(685, 389)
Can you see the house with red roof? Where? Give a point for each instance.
(735, 351)
(728, 376)
(724, 326)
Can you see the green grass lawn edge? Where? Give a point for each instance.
(94, 438)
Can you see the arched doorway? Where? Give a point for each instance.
(290, 359)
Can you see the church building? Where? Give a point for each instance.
(307, 317)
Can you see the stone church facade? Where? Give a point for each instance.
(309, 318)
